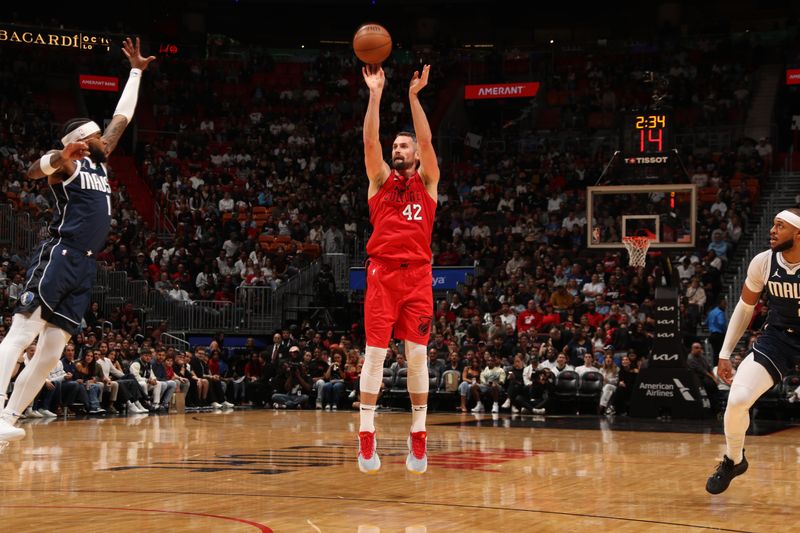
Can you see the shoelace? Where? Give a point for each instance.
(418, 444)
(367, 444)
(720, 467)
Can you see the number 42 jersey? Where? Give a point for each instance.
(402, 214)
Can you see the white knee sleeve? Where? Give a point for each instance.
(48, 350)
(750, 382)
(417, 355)
(23, 331)
(372, 370)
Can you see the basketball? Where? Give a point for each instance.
(372, 44)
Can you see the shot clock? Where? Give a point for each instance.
(646, 134)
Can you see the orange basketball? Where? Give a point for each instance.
(372, 44)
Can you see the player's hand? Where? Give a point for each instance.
(75, 151)
(417, 81)
(725, 371)
(373, 77)
(134, 54)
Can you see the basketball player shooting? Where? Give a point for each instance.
(777, 271)
(402, 205)
(59, 280)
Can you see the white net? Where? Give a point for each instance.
(637, 250)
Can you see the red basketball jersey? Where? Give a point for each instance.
(401, 214)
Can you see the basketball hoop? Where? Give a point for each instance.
(637, 250)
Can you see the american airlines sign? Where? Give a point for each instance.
(501, 90)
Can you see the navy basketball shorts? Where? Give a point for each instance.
(776, 349)
(59, 280)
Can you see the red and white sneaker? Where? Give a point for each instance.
(368, 460)
(417, 460)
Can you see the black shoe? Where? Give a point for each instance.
(725, 473)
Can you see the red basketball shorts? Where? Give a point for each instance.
(399, 296)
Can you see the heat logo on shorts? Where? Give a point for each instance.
(424, 324)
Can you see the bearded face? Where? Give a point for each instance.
(96, 151)
(404, 153)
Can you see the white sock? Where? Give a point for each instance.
(367, 413)
(418, 415)
(23, 331)
(751, 381)
(30, 381)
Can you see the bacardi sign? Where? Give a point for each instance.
(56, 38)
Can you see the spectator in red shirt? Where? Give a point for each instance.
(449, 257)
(444, 311)
(529, 318)
(595, 318)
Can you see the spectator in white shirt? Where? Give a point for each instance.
(177, 293)
(593, 289)
(226, 203)
(588, 364)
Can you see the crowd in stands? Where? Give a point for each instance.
(259, 165)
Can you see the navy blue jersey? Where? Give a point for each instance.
(779, 343)
(783, 294)
(82, 216)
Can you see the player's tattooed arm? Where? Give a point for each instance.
(114, 132)
(63, 161)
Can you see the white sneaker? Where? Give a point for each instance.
(478, 408)
(140, 407)
(514, 409)
(134, 409)
(792, 397)
(227, 405)
(495, 407)
(47, 413)
(31, 413)
(8, 432)
(319, 405)
(334, 408)
(538, 411)
(506, 404)
(216, 405)
(97, 411)
(327, 407)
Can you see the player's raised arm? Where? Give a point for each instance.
(429, 165)
(377, 169)
(58, 161)
(127, 102)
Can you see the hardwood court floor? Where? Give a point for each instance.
(295, 471)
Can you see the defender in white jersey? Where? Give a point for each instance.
(62, 270)
(776, 271)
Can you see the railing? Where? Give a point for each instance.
(19, 231)
(340, 266)
(175, 340)
(163, 222)
(753, 247)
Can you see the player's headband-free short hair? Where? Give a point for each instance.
(81, 132)
(406, 134)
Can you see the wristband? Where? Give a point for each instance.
(44, 164)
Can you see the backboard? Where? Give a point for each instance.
(665, 213)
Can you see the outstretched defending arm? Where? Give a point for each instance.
(127, 101)
(429, 165)
(377, 169)
(743, 313)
